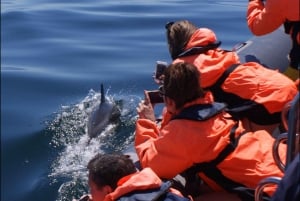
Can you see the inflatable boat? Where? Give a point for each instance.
(271, 51)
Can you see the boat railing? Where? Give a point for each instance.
(290, 118)
(293, 132)
(282, 138)
(269, 181)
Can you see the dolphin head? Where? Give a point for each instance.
(107, 112)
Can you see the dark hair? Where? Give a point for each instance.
(182, 83)
(178, 35)
(108, 169)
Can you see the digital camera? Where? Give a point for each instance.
(155, 97)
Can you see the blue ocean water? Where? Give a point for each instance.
(54, 56)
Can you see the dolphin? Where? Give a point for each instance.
(107, 112)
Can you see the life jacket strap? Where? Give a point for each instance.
(201, 112)
(200, 49)
(162, 193)
(223, 77)
(210, 168)
(229, 148)
(238, 106)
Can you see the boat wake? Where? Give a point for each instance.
(74, 147)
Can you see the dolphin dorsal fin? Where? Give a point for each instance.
(102, 94)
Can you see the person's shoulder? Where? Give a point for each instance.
(163, 193)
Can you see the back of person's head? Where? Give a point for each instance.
(182, 83)
(108, 169)
(178, 35)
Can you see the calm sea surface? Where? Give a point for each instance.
(54, 56)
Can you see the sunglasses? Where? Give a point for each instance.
(168, 25)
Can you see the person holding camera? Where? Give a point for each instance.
(200, 139)
(265, 17)
(250, 90)
(115, 177)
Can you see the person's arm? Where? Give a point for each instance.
(263, 18)
(161, 150)
(179, 144)
(146, 115)
(165, 151)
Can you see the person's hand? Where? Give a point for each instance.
(145, 109)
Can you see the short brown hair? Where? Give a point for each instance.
(182, 83)
(178, 35)
(108, 169)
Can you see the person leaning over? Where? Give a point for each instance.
(265, 17)
(200, 132)
(115, 177)
(249, 89)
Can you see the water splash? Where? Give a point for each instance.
(75, 148)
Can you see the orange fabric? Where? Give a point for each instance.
(264, 86)
(266, 17)
(145, 179)
(202, 37)
(212, 63)
(250, 80)
(181, 143)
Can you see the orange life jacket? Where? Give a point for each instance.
(181, 143)
(209, 171)
(245, 84)
(144, 183)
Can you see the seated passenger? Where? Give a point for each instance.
(249, 89)
(200, 132)
(115, 177)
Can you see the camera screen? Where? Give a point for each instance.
(160, 68)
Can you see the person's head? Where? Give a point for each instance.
(178, 35)
(181, 84)
(105, 170)
(183, 35)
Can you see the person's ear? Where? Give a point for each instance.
(171, 105)
(107, 189)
